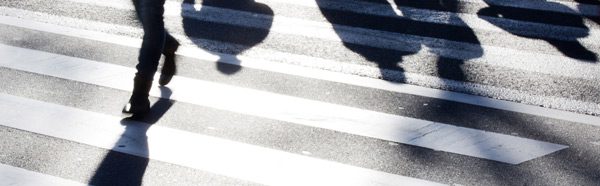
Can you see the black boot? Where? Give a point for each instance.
(139, 103)
(169, 68)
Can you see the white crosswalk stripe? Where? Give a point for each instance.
(497, 59)
(476, 55)
(573, 69)
(17, 176)
(212, 154)
(438, 136)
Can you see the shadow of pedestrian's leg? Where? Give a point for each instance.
(565, 40)
(126, 162)
(120, 168)
(387, 59)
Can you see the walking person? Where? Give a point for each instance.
(156, 41)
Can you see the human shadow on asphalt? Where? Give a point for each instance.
(450, 112)
(389, 60)
(583, 3)
(202, 27)
(568, 45)
(126, 162)
(523, 125)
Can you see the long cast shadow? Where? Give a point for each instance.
(200, 26)
(126, 163)
(448, 112)
(447, 68)
(595, 18)
(450, 68)
(388, 60)
(568, 45)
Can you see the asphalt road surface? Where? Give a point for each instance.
(305, 92)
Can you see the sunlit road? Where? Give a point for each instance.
(305, 92)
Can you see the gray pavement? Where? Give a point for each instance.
(476, 71)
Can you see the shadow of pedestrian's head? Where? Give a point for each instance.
(228, 27)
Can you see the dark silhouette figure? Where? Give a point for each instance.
(119, 167)
(200, 26)
(387, 59)
(568, 44)
(595, 18)
(591, 2)
(156, 41)
(449, 68)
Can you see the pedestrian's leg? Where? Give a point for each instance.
(169, 68)
(151, 16)
(150, 13)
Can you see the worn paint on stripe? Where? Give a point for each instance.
(220, 156)
(475, 54)
(432, 135)
(359, 81)
(10, 175)
(548, 5)
(484, 55)
(323, 30)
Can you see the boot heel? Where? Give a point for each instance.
(138, 102)
(169, 68)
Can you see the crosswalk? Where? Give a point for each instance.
(306, 92)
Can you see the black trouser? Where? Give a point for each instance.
(156, 38)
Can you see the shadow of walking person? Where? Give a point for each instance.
(588, 5)
(564, 40)
(126, 162)
(436, 36)
(386, 59)
(120, 168)
(459, 44)
(444, 47)
(214, 29)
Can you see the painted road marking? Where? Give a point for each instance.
(220, 156)
(353, 79)
(428, 134)
(370, 37)
(10, 175)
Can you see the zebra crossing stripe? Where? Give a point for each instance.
(350, 79)
(427, 134)
(324, 30)
(492, 55)
(220, 156)
(549, 5)
(10, 175)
